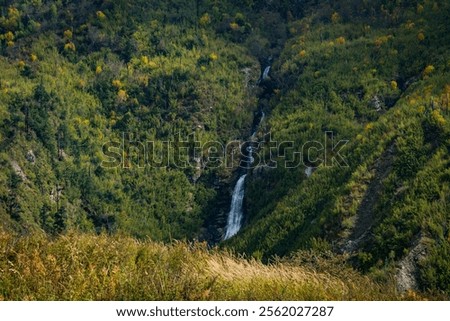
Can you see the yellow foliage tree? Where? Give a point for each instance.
(70, 46)
(117, 83)
(100, 15)
(213, 56)
(152, 65)
(143, 80)
(11, 21)
(340, 40)
(428, 70)
(13, 13)
(9, 36)
(234, 26)
(421, 36)
(438, 118)
(144, 60)
(382, 40)
(335, 17)
(410, 25)
(122, 95)
(205, 20)
(68, 34)
(368, 127)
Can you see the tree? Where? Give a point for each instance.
(46, 219)
(13, 206)
(60, 220)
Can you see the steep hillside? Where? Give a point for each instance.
(86, 87)
(377, 77)
(112, 115)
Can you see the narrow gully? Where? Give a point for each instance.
(236, 214)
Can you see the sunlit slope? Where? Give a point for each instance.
(378, 78)
(83, 267)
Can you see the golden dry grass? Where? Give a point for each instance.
(88, 267)
(287, 281)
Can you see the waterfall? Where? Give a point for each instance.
(263, 115)
(266, 73)
(236, 213)
(235, 216)
(234, 222)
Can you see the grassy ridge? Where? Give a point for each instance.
(87, 267)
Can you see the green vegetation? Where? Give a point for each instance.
(77, 75)
(370, 80)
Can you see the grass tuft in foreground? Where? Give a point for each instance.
(87, 267)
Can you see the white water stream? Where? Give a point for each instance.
(234, 222)
(236, 213)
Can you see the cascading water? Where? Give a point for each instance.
(266, 73)
(235, 216)
(236, 213)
